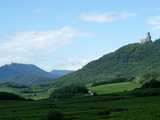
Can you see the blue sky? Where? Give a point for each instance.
(67, 34)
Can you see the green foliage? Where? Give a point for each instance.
(85, 108)
(147, 77)
(69, 91)
(13, 85)
(146, 92)
(54, 115)
(116, 80)
(10, 96)
(127, 62)
(149, 88)
(151, 84)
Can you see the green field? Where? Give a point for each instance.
(85, 108)
(102, 107)
(35, 93)
(114, 87)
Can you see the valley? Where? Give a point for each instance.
(79, 60)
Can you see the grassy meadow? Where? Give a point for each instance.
(85, 108)
(109, 104)
(114, 87)
(35, 92)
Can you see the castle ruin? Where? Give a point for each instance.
(148, 39)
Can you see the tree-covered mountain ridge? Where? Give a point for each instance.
(127, 62)
(27, 74)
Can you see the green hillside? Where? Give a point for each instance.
(128, 62)
(114, 87)
(32, 92)
(24, 74)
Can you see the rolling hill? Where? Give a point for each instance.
(24, 74)
(128, 62)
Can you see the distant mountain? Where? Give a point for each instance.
(25, 74)
(127, 62)
(22, 69)
(60, 73)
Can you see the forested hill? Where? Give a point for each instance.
(23, 74)
(127, 62)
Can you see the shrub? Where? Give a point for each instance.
(149, 88)
(115, 80)
(146, 92)
(151, 84)
(147, 77)
(54, 115)
(69, 91)
(10, 96)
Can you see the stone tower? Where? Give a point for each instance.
(148, 39)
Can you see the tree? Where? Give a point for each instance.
(69, 91)
(54, 115)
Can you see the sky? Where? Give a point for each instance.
(67, 34)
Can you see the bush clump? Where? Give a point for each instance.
(54, 115)
(151, 84)
(69, 91)
(10, 96)
(146, 92)
(116, 80)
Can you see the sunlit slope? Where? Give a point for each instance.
(114, 87)
(127, 62)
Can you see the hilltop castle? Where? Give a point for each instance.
(148, 39)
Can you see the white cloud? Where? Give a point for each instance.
(105, 17)
(72, 64)
(29, 46)
(154, 22)
(75, 63)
